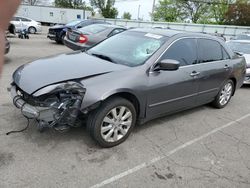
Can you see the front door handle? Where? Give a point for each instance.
(194, 73)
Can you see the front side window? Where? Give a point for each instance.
(209, 50)
(184, 51)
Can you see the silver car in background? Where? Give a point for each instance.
(21, 23)
(242, 47)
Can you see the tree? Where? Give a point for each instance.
(106, 7)
(219, 8)
(194, 10)
(238, 13)
(180, 10)
(127, 15)
(167, 10)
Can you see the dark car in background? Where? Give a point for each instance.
(58, 32)
(7, 46)
(88, 36)
(130, 78)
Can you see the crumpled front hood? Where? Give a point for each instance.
(40, 73)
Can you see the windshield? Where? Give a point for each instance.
(73, 23)
(129, 48)
(240, 47)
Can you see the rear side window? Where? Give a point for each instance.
(209, 50)
(184, 51)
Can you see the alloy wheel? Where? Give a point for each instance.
(226, 94)
(116, 124)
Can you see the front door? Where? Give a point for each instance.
(171, 91)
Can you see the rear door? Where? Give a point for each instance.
(171, 91)
(213, 68)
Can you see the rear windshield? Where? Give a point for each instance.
(95, 28)
(73, 23)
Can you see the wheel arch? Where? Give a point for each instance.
(129, 96)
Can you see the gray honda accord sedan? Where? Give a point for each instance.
(128, 79)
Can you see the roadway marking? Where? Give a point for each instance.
(146, 164)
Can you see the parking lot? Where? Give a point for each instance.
(202, 147)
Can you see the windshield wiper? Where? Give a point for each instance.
(104, 57)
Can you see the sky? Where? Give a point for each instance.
(144, 7)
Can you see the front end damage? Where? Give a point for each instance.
(56, 106)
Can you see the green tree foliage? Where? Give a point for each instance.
(79, 4)
(127, 15)
(167, 10)
(219, 8)
(106, 7)
(194, 10)
(204, 11)
(239, 13)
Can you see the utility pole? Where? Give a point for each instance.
(153, 9)
(139, 9)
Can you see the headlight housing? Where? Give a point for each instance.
(61, 87)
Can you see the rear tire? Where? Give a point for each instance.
(32, 30)
(112, 122)
(224, 95)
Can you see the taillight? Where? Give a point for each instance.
(83, 39)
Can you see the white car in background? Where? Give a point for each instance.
(242, 47)
(26, 23)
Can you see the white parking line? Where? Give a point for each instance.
(145, 164)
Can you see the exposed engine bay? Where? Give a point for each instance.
(59, 108)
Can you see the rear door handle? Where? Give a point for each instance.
(194, 73)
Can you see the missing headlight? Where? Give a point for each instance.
(59, 108)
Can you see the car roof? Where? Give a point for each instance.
(172, 32)
(23, 17)
(157, 31)
(108, 26)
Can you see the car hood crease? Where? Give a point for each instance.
(40, 73)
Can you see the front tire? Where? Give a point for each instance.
(112, 122)
(225, 94)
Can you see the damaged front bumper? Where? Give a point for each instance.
(29, 111)
(60, 111)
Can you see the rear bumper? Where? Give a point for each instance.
(51, 36)
(247, 77)
(73, 45)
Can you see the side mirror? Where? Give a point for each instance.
(79, 27)
(167, 65)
